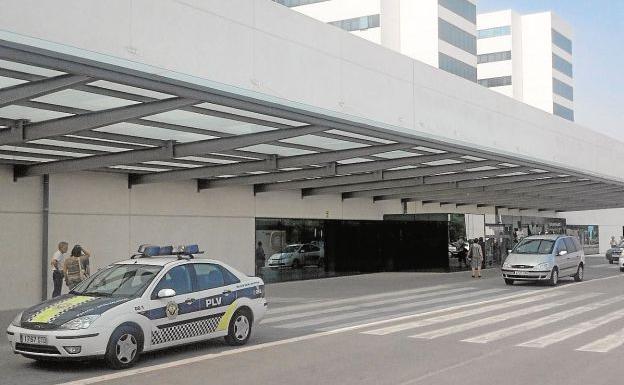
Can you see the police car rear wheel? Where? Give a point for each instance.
(239, 330)
(123, 347)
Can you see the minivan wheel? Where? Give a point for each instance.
(509, 281)
(554, 277)
(578, 277)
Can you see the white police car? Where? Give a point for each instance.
(157, 299)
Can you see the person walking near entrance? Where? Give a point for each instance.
(57, 262)
(73, 267)
(476, 260)
(260, 258)
(482, 245)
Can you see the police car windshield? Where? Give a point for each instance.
(534, 246)
(118, 281)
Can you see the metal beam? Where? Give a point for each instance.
(171, 151)
(76, 123)
(39, 88)
(367, 181)
(345, 169)
(274, 164)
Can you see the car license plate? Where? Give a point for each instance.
(522, 272)
(36, 340)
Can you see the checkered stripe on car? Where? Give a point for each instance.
(186, 330)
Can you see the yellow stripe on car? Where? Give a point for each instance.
(225, 320)
(50, 313)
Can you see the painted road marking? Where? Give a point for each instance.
(605, 345)
(572, 331)
(454, 316)
(517, 329)
(499, 318)
(361, 305)
(340, 317)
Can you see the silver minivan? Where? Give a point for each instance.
(545, 258)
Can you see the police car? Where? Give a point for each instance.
(157, 299)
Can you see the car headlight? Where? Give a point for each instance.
(17, 321)
(544, 265)
(80, 322)
(506, 265)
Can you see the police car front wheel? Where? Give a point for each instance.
(239, 329)
(123, 347)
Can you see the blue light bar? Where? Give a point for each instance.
(149, 250)
(166, 250)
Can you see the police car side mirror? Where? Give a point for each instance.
(166, 293)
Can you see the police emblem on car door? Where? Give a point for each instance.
(173, 308)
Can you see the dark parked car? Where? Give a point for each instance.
(614, 253)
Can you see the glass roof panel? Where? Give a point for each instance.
(84, 146)
(191, 119)
(129, 89)
(277, 150)
(10, 82)
(474, 158)
(396, 154)
(433, 150)
(171, 164)
(139, 168)
(84, 100)
(25, 158)
(29, 69)
(354, 160)
(32, 114)
(207, 160)
(153, 132)
(402, 168)
(249, 114)
(443, 162)
(482, 168)
(42, 151)
(322, 142)
(358, 136)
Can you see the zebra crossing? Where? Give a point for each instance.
(520, 317)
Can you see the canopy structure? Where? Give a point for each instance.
(61, 113)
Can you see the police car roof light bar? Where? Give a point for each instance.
(182, 252)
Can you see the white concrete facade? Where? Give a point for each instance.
(261, 48)
(525, 59)
(406, 26)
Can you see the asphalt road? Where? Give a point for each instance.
(396, 328)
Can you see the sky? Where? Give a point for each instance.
(598, 46)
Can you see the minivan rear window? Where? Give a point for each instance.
(534, 246)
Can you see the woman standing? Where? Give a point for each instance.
(73, 267)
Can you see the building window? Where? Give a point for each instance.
(562, 89)
(562, 42)
(494, 57)
(494, 32)
(296, 3)
(463, 8)
(457, 37)
(457, 67)
(496, 82)
(563, 112)
(562, 65)
(357, 23)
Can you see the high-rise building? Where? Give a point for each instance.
(527, 57)
(441, 33)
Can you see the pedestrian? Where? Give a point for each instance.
(476, 256)
(73, 267)
(260, 258)
(482, 244)
(613, 242)
(57, 268)
(461, 253)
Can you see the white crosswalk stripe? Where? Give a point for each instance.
(466, 313)
(286, 317)
(572, 331)
(377, 310)
(606, 344)
(539, 322)
(326, 304)
(500, 318)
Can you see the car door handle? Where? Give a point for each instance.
(227, 292)
(189, 301)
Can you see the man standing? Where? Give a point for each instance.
(57, 268)
(260, 258)
(476, 258)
